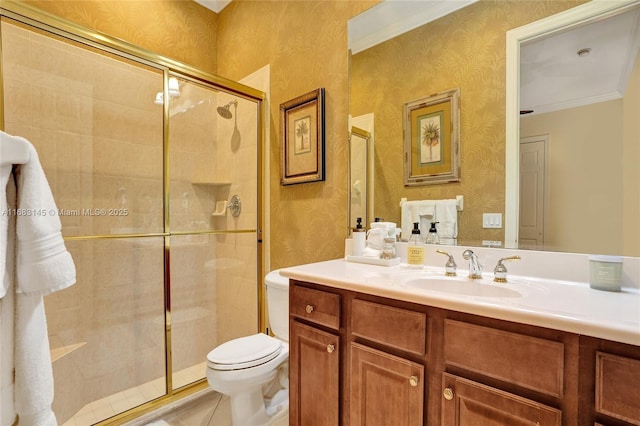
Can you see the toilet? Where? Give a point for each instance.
(253, 370)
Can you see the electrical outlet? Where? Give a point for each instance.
(492, 220)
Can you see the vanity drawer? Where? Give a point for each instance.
(526, 361)
(617, 381)
(395, 327)
(318, 306)
(466, 402)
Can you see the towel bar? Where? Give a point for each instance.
(459, 202)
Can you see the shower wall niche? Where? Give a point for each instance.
(137, 170)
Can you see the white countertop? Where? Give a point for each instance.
(562, 305)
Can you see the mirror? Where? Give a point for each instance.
(466, 50)
(583, 197)
(360, 191)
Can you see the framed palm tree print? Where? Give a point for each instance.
(432, 139)
(302, 139)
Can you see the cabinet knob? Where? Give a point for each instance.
(309, 309)
(331, 348)
(413, 381)
(448, 394)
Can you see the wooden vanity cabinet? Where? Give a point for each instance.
(384, 389)
(469, 403)
(314, 356)
(358, 359)
(515, 364)
(617, 386)
(316, 376)
(386, 371)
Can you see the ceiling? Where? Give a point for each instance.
(552, 75)
(215, 5)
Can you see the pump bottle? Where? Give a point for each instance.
(432, 235)
(359, 238)
(415, 248)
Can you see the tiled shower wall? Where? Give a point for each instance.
(99, 135)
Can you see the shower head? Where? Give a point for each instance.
(224, 110)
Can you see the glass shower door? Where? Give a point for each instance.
(213, 146)
(92, 118)
(159, 204)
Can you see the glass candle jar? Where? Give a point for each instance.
(388, 249)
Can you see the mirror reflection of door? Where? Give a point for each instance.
(533, 183)
(359, 182)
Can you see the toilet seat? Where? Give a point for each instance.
(244, 352)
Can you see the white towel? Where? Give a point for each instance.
(7, 330)
(5, 172)
(7, 316)
(371, 252)
(13, 150)
(421, 211)
(34, 373)
(43, 263)
(43, 266)
(447, 218)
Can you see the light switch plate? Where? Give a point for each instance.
(492, 220)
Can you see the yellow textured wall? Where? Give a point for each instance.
(465, 50)
(305, 43)
(178, 29)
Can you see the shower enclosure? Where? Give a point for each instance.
(155, 168)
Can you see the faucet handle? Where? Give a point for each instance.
(450, 267)
(500, 271)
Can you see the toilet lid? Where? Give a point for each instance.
(244, 352)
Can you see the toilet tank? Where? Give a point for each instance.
(278, 304)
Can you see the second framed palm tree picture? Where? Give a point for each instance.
(432, 139)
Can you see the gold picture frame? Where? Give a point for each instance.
(432, 139)
(302, 139)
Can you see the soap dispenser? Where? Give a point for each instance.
(432, 235)
(359, 238)
(415, 248)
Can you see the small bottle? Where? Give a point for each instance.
(432, 235)
(415, 248)
(359, 238)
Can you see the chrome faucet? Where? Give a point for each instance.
(475, 268)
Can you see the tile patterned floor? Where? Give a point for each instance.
(205, 408)
(208, 408)
(111, 405)
(211, 409)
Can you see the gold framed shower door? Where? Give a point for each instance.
(170, 194)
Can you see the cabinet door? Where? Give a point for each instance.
(314, 367)
(468, 403)
(385, 389)
(617, 393)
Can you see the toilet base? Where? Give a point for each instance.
(252, 409)
(257, 394)
(247, 409)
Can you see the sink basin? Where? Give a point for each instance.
(462, 286)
